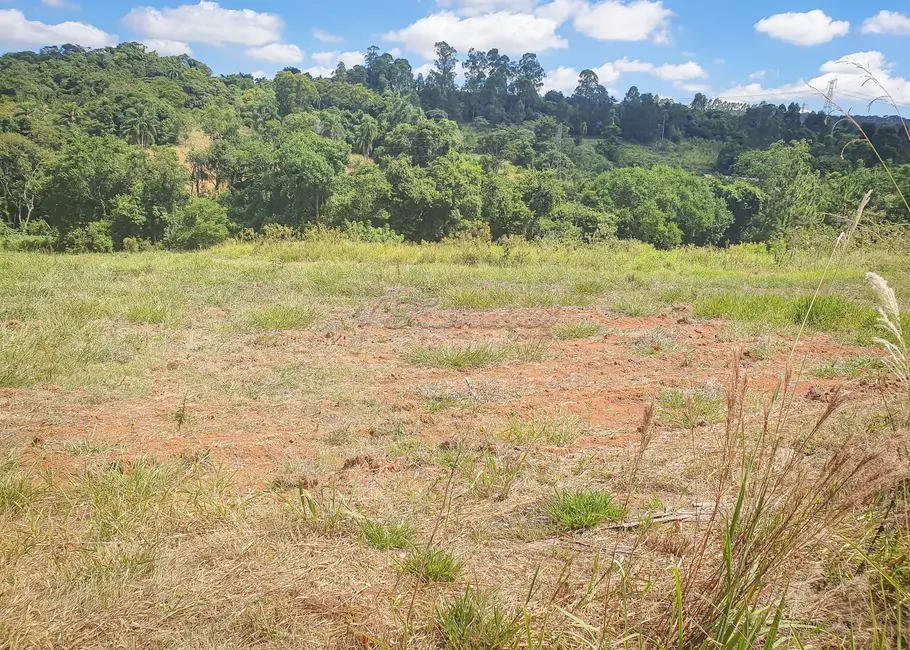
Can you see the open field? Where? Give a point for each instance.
(331, 444)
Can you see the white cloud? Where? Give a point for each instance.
(617, 21)
(277, 53)
(259, 74)
(207, 23)
(423, 69)
(667, 71)
(887, 22)
(693, 88)
(758, 75)
(326, 37)
(853, 87)
(560, 11)
(512, 33)
(350, 59)
(165, 47)
(16, 31)
(565, 79)
(810, 28)
(60, 4)
(562, 79)
(329, 61)
(478, 7)
(396, 52)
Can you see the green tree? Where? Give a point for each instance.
(791, 187)
(141, 126)
(367, 132)
(201, 224)
(23, 167)
(294, 92)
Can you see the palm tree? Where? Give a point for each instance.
(140, 125)
(369, 129)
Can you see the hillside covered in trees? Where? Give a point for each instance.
(120, 148)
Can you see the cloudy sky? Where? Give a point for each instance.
(741, 51)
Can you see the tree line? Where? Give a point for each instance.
(119, 148)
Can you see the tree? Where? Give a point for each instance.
(662, 206)
(141, 126)
(23, 167)
(367, 133)
(201, 224)
(294, 92)
(790, 185)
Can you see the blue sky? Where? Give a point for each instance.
(741, 51)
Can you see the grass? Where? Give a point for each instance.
(555, 431)
(385, 537)
(196, 549)
(432, 565)
(577, 331)
(282, 318)
(582, 509)
(475, 621)
(688, 409)
(477, 355)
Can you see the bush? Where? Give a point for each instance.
(203, 223)
(362, 231)
(93, 238)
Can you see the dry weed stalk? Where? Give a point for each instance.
(777, 513)
(889, 319)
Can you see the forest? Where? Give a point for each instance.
(119, 148)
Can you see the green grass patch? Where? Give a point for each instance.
(581, 509)
(690, 409)
(282, 318)
(577, 331)
(850, 367)
(459, 357)
(432, 565)
(555, 431)
(385, 537)
(474, 621)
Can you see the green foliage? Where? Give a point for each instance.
(474, 355)
(385, 537)
(92, 238)
(580, 509)
(474, 621)
(791, 188)
(577, 331)
(661, 206)
(432, 565)
(201, 224)
(282, 318)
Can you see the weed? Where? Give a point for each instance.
(432, 565)
(87, 447)
(474, 621)
(656, 343)
(637, 305)
(577, 331)
(556, 431)
(495, 479)
(16, 491)
(282, 318)
(387, 536)
(849, 367)
(692, 408)
(326, 512)
(473, 355)
(531, 351)
(764, 348)
(580, 509)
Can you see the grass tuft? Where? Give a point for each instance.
(692, 408)
(577, 331)
(385, 537)
(555, 431)
(473, 355)
(432, 565)
(282, 318)
(474, 621)
(581, 509)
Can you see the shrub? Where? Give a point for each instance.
(201, 224)
(93, 238)
(375, 234)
